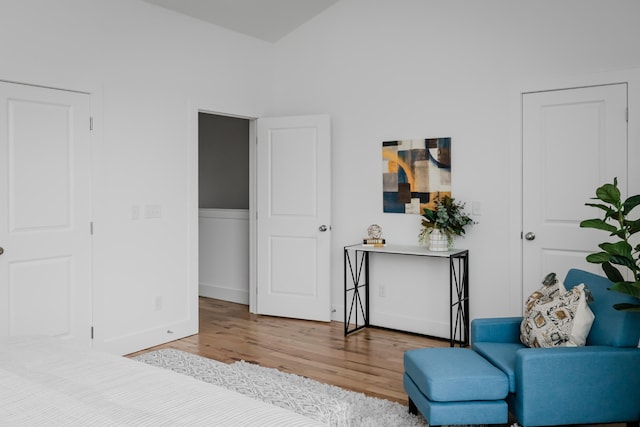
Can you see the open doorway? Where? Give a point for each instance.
(223, 202)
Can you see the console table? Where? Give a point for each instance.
(357, 280)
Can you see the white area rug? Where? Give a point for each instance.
(323, 402)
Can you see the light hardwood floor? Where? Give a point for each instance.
(369, 361)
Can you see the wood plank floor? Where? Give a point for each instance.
(368, 361)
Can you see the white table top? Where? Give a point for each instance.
(407, 250)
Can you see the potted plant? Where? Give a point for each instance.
(440, 225)
(619, 254)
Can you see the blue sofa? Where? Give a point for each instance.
(597, 383)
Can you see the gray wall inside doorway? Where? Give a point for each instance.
(223, 162)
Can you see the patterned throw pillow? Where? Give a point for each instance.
(556, 318)
(551, 288)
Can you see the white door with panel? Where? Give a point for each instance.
(574, 140)
(45, 212)
(294, 209)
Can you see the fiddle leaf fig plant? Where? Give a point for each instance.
(620, 254)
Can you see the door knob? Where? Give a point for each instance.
(530, 236)
(1, 250)
(323, 228)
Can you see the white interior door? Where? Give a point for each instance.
(45, 270)
(293, 210)
(574, 141)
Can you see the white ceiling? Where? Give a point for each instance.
(269, 20)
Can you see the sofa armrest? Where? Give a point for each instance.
(577, 385)
(496, 329)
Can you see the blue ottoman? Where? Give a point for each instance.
(455, 386)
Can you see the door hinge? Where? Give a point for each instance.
(91, 228)
(92, 332)
(626, 114)
(90, 123)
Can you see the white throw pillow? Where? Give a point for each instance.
(582, 321)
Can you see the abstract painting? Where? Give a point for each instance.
(415, 172)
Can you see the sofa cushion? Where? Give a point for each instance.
(466, 412)
(454, 374)
(503, 356)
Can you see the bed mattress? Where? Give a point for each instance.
(47, 381)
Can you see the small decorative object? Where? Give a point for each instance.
(374, 231)
(375, 236)
(447, 220)
(617, 223)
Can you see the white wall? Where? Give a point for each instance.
(148, 71)
(224, 254)
(387, 70)
(382, 69)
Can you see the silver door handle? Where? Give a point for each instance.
(530, 236)
(323, 228)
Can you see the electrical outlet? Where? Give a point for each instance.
(382, 292)
(157, 303)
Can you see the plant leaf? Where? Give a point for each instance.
(430, 215)
(599, 206)
(609, 193)
(620, 233)
(623, 260)
(598, 257)
(630, 203)
(599, 224)
(620, 248)
(625, 306)
(628, 288)
(612, 272)
(632, 226)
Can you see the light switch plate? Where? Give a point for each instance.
(152, 211)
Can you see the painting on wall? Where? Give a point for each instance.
(415, 172)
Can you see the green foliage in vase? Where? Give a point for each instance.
(448, 217)
(619, 254)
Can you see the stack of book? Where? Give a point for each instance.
(376, 243)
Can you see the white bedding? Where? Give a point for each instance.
(45, 381)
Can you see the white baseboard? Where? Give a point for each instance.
(140, 340)
(430, 327)
(223, 293)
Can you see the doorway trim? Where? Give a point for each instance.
(202, 106)
(547, 83)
